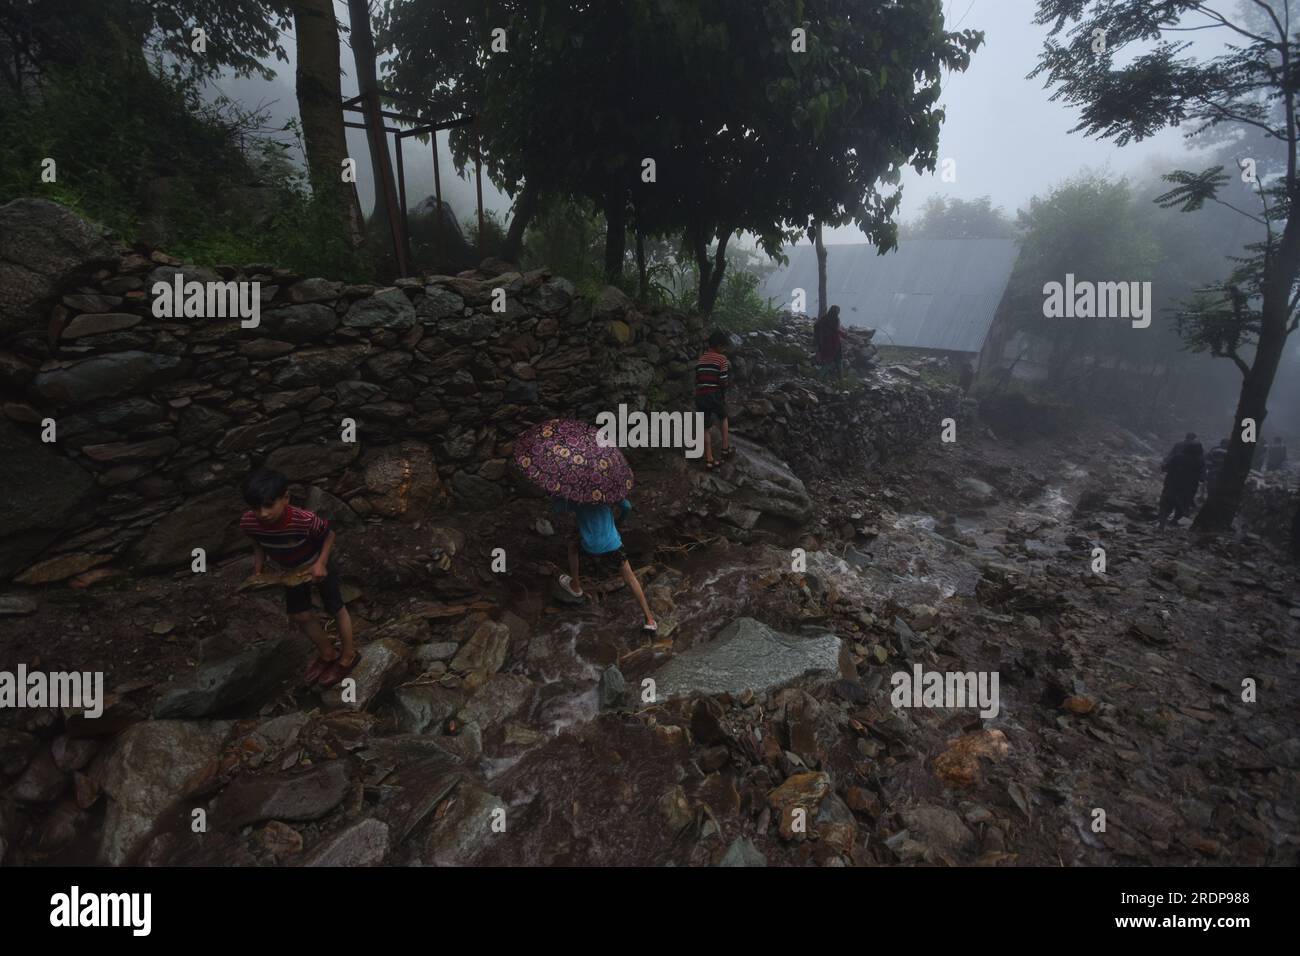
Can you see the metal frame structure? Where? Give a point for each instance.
(397, 217)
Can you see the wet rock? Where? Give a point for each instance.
(219, 686)
(427, 654)
(501, 696)
(424, 708)
(42, 493)
(742, 852)
(60, 568)
(259, 434)
(106, 376)
(380, 664)
(279, 840)
(41, 782)
(959, 764)
(209, 521)
(364, 843)
(757, 480)
(71, 753)
(319, 366)
(87, 325)
(402, 481)
(43, 246)
(675, 811)
(611, 689)
(312, 462)
(939, 827)
(12, 605)
(17, 748)
(747, 654)
(439, 303)
(801, 792)
(466, 830)
(485, 650)
(152, 765)
(466, 744)
(387, 309)
(419, 787)
(475, 493)
(281, 796)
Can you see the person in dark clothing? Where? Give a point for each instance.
(1214, 460)
(1295, 532)
(1183, 471)
(828, 339)
(1276, 456)
(967, 377)
(1188, 439)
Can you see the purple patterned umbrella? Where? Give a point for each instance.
(564, 459)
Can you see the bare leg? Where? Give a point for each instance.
(708, 445)
(726, 437)
(307, 623)
(344, 620)
(573, 566)
(629, 576)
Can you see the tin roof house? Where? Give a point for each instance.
(936, 294)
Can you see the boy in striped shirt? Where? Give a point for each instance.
(296, 539)
(712, 374)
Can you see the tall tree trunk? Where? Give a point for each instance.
(363, 53)
(525, 209)
(319, 107)
(615, 237)
(711, 269)
(1225, 497)
(822, 304)
(642, 278)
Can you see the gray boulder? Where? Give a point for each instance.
(281, 796)
(755, 479)
(106, 376)
(746, 654)
(152, 766)
(220, 685)
(43, 246)
(42, 494)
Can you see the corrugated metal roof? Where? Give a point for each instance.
(928, 293)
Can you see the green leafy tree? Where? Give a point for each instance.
(1249, 87)
(749, 127)
(1087, 226)
(942, 218)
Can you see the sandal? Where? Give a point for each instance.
(712, 465)
(566, 582)
(652, 628)
(338, 671)
(317, 667)
(728, 452)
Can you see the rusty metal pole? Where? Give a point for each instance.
(478, 185)
(401, 193)
(437, 189)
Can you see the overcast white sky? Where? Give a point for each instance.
(1009, 142)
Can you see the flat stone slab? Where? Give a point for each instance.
(746, 654)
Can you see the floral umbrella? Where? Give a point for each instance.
(564, 459)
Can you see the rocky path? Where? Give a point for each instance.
(494, 724)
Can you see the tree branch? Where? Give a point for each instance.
(1262, 222)
(1216, 15)
(1272, 15)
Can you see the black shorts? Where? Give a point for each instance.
(713, 406)
(611, 562)
(298, 599)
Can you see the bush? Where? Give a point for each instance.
(117, 130)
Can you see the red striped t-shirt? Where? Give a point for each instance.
(711, 373)
(296, 540)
